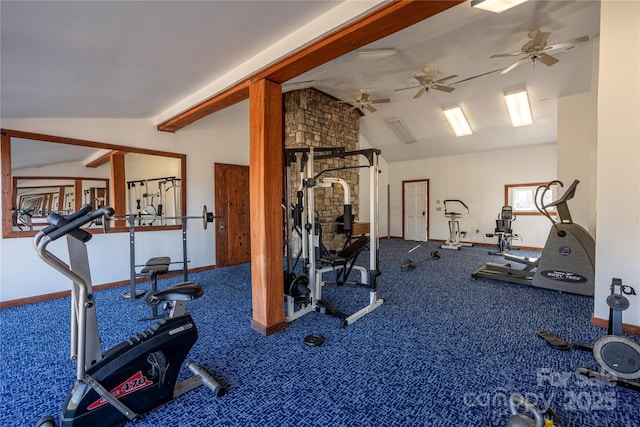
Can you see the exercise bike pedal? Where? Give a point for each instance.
(46, 421)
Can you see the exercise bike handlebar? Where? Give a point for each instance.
(61, 226)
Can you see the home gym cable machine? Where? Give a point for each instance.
(303, 292)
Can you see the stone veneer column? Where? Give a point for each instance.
(315, 119)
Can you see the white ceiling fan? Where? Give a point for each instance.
(364, 101)
(536, 49)
(428, 81)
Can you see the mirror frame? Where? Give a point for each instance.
(117, 184)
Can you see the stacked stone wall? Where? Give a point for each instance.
(315, 119)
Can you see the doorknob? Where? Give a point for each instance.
(423, 213)
(221, 226)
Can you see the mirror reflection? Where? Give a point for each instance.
(36, 197)
(54, 174)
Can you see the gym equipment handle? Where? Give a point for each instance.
(76, 223)
(456, 200)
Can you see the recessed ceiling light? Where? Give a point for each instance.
(401, 130)
(457, 121)
(495, 6)
(518, 107)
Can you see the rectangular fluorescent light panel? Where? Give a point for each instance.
(457, 121)
(401, 130)
(518, 107)
(495, 6)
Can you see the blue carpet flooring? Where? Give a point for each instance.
(443, 350)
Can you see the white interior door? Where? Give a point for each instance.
(415, 210)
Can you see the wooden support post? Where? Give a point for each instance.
(118, 187)
(265, 187)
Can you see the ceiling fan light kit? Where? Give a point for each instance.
(518, 106)
(457, 121)
(495, 6)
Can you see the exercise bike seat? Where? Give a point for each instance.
(185, 291)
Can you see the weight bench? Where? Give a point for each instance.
(154, 267)
(344, 261)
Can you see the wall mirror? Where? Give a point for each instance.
(43, 174)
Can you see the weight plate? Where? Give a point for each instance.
(314, 340)
(204, 217)
(618, 355)
(617, 302)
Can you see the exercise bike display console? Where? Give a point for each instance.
(136, 375)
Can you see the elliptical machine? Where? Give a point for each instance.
(136, 375)
(567, 263)
(453, 242)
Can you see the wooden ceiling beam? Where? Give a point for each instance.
(386, 20)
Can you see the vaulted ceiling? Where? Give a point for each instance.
(136, 59)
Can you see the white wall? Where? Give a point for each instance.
(577, 141)
(618, 155)
(223, 137)
(478, 180)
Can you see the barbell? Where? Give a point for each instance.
(105, 221)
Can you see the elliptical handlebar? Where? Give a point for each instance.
(457, 214)
(560, 202)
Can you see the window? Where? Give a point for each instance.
(521, 197)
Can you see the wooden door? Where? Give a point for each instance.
(233, 238)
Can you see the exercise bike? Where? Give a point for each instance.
(136, 375)
(617, 355)
(503, 231)
(453, 242)
(567, 263)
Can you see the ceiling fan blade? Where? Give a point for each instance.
(422, 80)
(446, 78)
(364, 97)
(566, 44)
(502, 55)
(380, 101)
(405, 88)
(419, 93)
(514, 65)
(541, 39)
(447, 89)
(475, 77)
(370, 108)
(547, 60)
